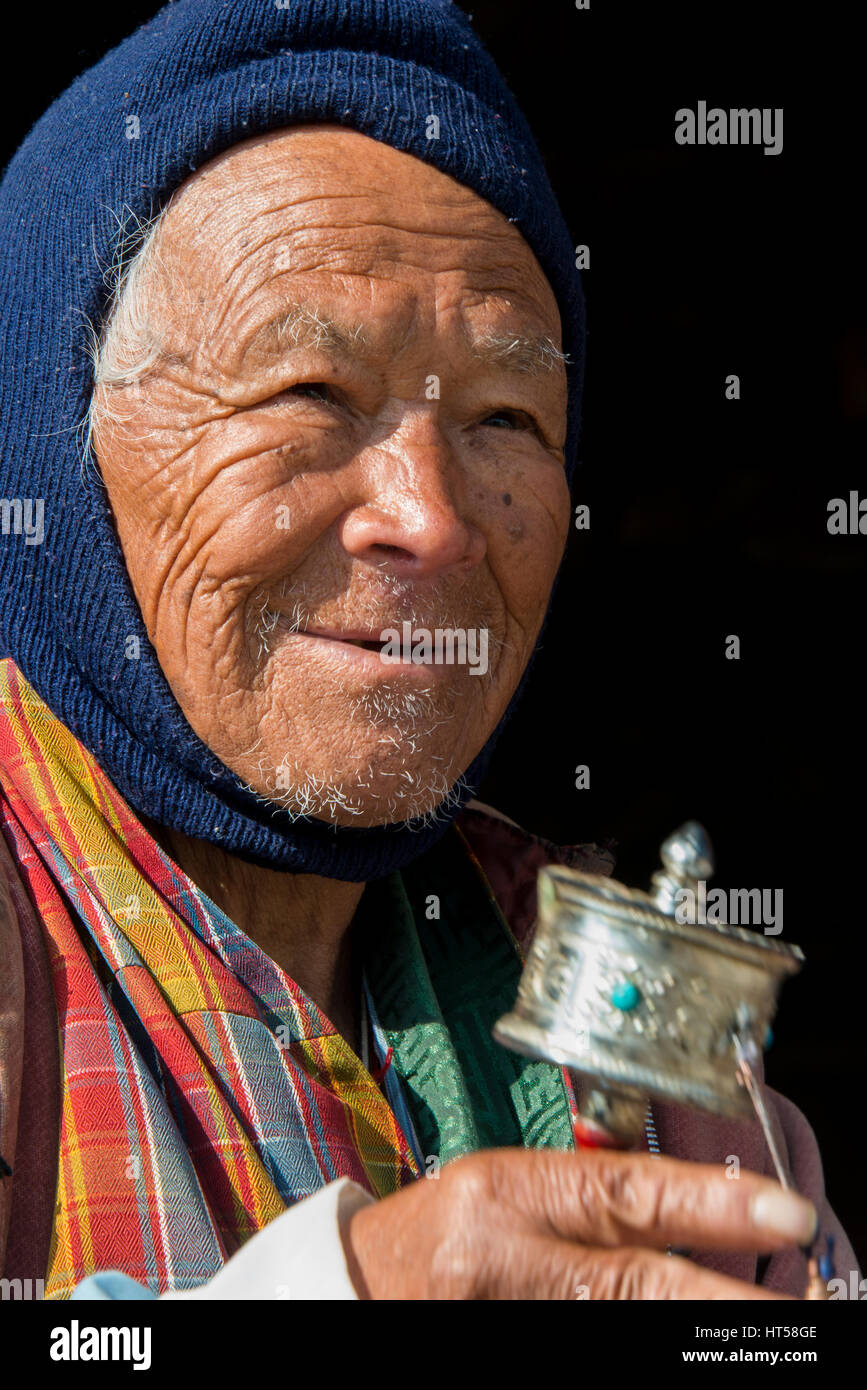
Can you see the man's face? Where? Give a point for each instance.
(349, 427)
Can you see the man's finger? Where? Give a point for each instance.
(603, 1198)
(544, 1268)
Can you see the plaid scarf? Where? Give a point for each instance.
(203, 1092)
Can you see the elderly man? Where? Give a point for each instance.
(335, 392)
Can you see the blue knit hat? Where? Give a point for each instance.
(200, 77)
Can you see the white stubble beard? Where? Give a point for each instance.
(407, 720)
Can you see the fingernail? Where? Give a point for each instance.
(785, 1214)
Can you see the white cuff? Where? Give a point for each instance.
(298, 1255)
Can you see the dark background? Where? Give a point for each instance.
(708, 516)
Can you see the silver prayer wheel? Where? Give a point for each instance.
(641, 1005)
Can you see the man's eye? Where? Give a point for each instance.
(509, 420)
(312, 391)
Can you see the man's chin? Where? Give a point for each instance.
(362, 799)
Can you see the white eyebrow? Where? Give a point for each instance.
(299, 325)
(520, 352)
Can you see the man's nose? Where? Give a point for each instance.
(414, 516)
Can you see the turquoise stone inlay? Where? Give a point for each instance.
(625, 996)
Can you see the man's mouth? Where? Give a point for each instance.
(367, 641)
(406, 650)
(364, 650)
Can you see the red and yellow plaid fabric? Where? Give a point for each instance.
(203, 1092)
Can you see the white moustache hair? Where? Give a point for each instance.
(367, 611)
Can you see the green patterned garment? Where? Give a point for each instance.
(438, 986)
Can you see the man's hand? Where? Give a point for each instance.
(516, 1223)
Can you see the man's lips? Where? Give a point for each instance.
(364, 649)
(369, 641)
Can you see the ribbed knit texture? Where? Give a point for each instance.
(201, 76)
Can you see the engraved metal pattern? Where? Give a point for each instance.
(697, 986)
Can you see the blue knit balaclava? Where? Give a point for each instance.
(200, 77)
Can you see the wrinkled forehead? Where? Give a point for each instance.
(336, 209)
